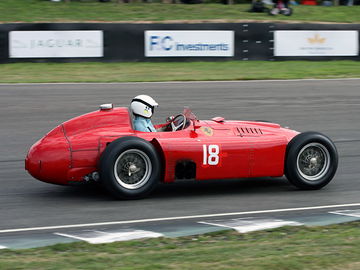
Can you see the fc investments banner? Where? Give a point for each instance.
(55, 44)
(316, 43)
(190, 43)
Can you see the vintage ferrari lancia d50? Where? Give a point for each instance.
(102, 146)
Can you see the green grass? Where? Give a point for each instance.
(92, 10)
(179, 71)
(294, 248)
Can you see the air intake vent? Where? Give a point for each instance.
(249, 130)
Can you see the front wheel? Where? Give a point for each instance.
(311, 160)
(130, 168)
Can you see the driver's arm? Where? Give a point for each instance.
(166, 126)
(163, 128)
(150, 126)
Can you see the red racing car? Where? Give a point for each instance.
(103, 146)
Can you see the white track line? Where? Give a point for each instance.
(3, 247)
(244, 225)
(99, 237)
(183, 82)
(350, 213)
(177, 218)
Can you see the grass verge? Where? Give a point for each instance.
(92, 10)
(175, 71)
(329, 247)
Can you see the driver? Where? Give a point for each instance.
(142, 107)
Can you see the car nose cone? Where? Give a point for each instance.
(33, 160)
(49, 159)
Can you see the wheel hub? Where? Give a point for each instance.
(313, 162)
(133, 169)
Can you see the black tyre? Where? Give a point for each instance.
(130, 168)
(311, 160)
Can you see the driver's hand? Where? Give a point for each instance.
(169, 119)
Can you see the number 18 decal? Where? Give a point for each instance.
(211, 154)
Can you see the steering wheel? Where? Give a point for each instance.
(178, 123)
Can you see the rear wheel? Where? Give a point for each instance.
(130, 168)
(311, 160)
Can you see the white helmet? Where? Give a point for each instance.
(143, 105)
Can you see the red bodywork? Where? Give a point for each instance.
(219, 148)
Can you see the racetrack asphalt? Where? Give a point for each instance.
(29, 111)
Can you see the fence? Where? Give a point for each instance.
(116, 42)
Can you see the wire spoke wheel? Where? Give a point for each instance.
(132, 169)
(313, 161)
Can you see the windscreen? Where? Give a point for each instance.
(189, 114)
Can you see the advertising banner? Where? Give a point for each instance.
(190, 43)
(55, 44)
(316, 43)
